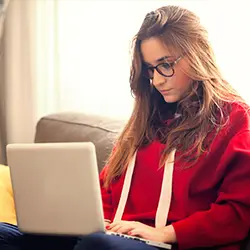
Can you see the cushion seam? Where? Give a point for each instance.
(78, 123)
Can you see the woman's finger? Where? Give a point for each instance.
(137, 232)
(125, 229)
(115, 228)
(111, 225)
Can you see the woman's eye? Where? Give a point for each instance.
(166, 65)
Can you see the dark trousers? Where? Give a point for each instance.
(12, 239)
(101, 241)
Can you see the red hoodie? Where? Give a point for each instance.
(210, 203)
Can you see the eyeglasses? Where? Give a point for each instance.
(165, 69)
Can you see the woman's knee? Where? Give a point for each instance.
(9, 232)
(10, 236)
(91, 241)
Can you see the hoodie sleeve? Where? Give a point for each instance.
(228, 219)
(106, 196)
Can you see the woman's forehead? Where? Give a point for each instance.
(153, 51)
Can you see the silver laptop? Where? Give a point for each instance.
(56, 189)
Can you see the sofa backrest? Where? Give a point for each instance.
(79, 127)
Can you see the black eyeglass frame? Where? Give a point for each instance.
(172, 64)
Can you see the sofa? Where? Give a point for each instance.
(79, 127)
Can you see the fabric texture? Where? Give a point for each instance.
(7, 207)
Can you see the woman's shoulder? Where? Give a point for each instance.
(239, 117)
(239, 111)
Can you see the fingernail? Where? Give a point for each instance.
(107, 227)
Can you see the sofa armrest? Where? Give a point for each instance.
(79, 127)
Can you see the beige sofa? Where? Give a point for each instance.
(79, 127)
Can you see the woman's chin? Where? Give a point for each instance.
(171, 99)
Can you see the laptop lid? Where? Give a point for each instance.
(56, 188)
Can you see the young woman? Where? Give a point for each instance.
(180, 170)
(188, 116)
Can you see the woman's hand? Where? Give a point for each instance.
(106, 223)
(165, 234)
(123, 227)
(133, 228)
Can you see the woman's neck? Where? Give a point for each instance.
(168, 110)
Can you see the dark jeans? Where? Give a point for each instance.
(101, 241)
(12, 239)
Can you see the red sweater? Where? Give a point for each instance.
(210, 203)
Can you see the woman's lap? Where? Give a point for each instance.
(12, 239)
(102, 241)
(41, 242)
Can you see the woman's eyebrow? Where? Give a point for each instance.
(158, 60)
(163, 58)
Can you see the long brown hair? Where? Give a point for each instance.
(201, 111)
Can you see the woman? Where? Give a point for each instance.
(180, 171)
(186, 111)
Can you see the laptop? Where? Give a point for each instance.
(57, 191)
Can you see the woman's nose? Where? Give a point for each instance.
(158, 79)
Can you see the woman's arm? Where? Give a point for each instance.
(228, 219)
(106, 197)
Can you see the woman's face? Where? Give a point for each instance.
(173, 88)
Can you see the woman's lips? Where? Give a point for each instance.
(165, 91)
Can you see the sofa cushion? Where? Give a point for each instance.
(79, 127)
(7, 207)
